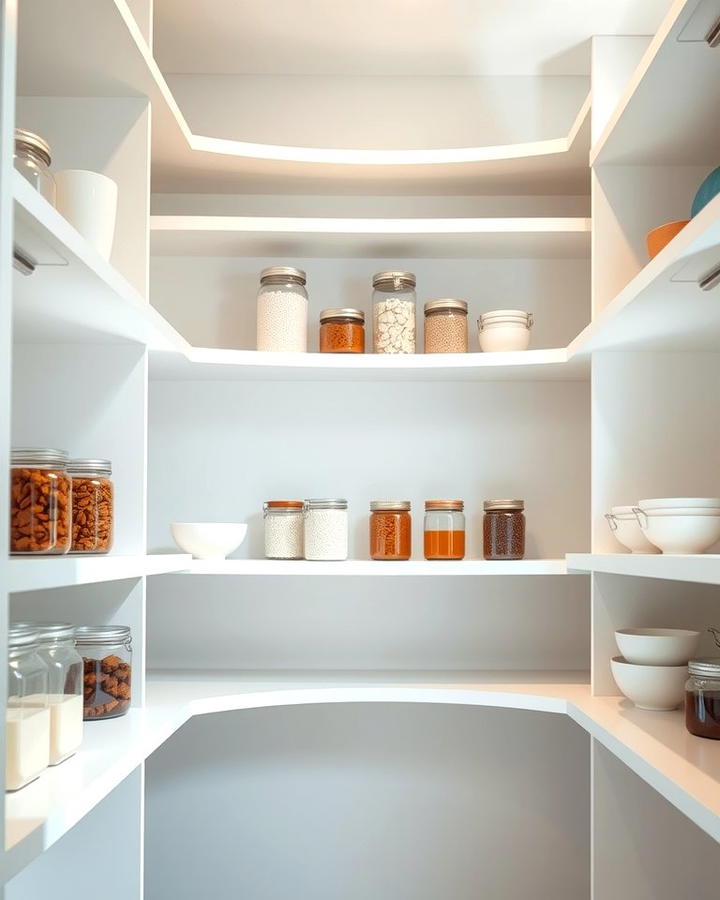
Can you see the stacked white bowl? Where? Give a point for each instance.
(626, 528)
(680, 524)
(504, 330)
(652, 670)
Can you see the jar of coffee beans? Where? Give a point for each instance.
(504, 529)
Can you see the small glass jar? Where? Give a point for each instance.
(284, 524)
(107, 669)
(92, 505)
(32, 160)
(282, 310)
(390, 529)
(40, 501)
(56, 648)
(27, 717)
(702, 698)
(504, 529)
(394, 312)
(342, 331)
(446, 329)
(444, 529)
(326, 529)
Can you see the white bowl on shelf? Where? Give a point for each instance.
(682, 511)
(626, 528)
(657, 646)
(680, 533)
(650, 687)
(674, 502)
(208, 540)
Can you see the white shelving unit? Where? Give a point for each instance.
(364, 568)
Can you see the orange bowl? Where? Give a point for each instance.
(662, 235)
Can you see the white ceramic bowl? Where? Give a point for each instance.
(650, 687)
(672, 502)
(208, 540)
(657, 646)
(683, 511)
(628, 532)
(680, 534)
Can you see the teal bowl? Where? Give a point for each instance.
(707, 190)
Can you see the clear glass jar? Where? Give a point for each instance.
(390, 529)
(326, 529)
(27, 718)
(107, 669)
(446, 328)
(284, 525)
(444, 532)
(702, 698)
(92, 505)
(282, 310)
(504, 529)
(394, 312)
(40, 501)
(56, 648)
(342, 331)
(32, 160)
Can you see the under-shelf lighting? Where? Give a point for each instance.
(710, 280)
(712, 38)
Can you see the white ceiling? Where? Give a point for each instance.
(391, 37)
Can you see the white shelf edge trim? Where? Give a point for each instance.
(375, 568)
(45, 572)
(703, 568)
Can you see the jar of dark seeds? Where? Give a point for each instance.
(504, 529)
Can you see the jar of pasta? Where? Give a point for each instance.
(92, 505)
(40, 501)
(390, 529)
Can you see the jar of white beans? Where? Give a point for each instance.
(326, 529)
(282, 310)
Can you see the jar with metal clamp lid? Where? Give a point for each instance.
(702, 695)
(107, 665)
(394, 312)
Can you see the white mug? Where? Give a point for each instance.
(88, 200)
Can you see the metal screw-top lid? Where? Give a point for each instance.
(706, 667)
(337, 313)
(42, 456)
(47, 632)
(450, 505)
(102, 634)
(503, 504)
(389, 505)
(278, 274)
(322, 503)
(28, 140)
(90, 466)
(21, 636)
(394, 281)
(446, 303)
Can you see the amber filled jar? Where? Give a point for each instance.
(504, 529)
(107, 669)
(702, 698)
(342, 331)
(446, 326)
(444, 536)
(92, 505)
(40, 501)
(390, 529)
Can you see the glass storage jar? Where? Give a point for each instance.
(92, 505)
(446, 329)
(342, 331)
(284, 524)
(394, 312)
(32, 160)
(107, 669)
(282, 310)
(390, 529)
(27, 718)
(56, 648)
(40, 501)
(444, 529)
(504, 529)
(702, 698)
(326, 529)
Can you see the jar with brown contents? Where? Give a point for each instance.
(107, 660)
(504, 529)
(40, 501)
(342, 331)
(390, 529)
(446, 326)
(92, 507)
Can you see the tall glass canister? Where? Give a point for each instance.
(394, 312)
(282, 310)
(27, 718)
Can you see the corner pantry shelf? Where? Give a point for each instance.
(368, 567)
(700, 568)
(44, 572)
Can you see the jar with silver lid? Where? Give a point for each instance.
(56, 648)
(92, 506)
(284, 525)
(282, 310)
(32, 160)
(504, 529)
(446, 326)
(702, 695)
(27, 716)
(342, 331)
(40, 501)
(107, 667)
(326, 529)
(394, 312)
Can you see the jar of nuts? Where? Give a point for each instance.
(107, 667)
(40, 501)
(92, 505)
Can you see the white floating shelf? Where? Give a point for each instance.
(701, 568)
(373, 568)
(43, 572)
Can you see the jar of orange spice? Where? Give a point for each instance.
(342, 331)
(390, 529)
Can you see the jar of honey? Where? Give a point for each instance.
(444, 529)
(702, 698)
